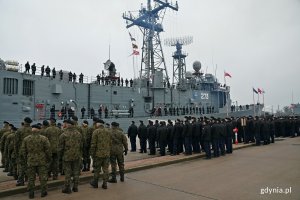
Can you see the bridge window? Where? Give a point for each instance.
(27, 87)
(10, 86)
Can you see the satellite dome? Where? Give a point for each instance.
(197, 66)
(188, 75)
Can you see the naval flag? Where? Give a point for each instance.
(227, 74)
(254, 90)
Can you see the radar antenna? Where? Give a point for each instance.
(149, 21)
(179, 65)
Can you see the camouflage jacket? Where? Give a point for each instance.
(53, 133)
(87, 132)
(119, 142)
(19, 137)
(9, 145)
(101, 143)
(70, 144)
(35, 150)
(3, 130)
(3, 140)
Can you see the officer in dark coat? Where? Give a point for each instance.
(27, 67)
(162, 137)
(187, 133)
(228, 138)
(215, 136)
(176, 136)
(142, 134)
(222, 133)
(151, 135)
(206, 138)
(42, 70)
(196, 136)
(170, 136)
(33, 68)
(47, 71)
(132, 133)
(257, 127)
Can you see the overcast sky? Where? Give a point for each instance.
(256, 41)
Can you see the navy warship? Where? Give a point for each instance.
(42, 94)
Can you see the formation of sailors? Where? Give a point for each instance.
(50, 149)
(192, 135)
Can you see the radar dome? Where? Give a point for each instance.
(188, 75)
(197, 66)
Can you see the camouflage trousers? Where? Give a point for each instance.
(117, 159)
(101, 163)
(42, 172)
(53, 167)
(22, 168)
(72, 169)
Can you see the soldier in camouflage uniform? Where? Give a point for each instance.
(70, 148)
(100, 152)
(45, 125)
(9, 151)
(87, 132)
(2, 131)
(53, 133)
(19, 137)
(37, 153)
(2, 145)
(78, 128)
(118, 147)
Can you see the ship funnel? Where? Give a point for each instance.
(197, 66)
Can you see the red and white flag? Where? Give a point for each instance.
(227, 74)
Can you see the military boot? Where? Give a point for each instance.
(121, 177)
(75, 189)
(66, 190)
(104, 185)
(20, 183)
(94, 183)
(31, 194)
(113, 179)
(44, 193)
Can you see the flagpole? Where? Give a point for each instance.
(253, 103)
(263, 93)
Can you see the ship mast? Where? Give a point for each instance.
(149, 21)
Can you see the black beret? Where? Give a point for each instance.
(68, 121)
(45, 123)
(133, 122)
(11, 125)
(141, 121)
(27, 120)
(75, 118)
(100, 121)
(150, 122)
(114, 124)
(36, 126)
(5, 122)
(95, 119)
(86, 122)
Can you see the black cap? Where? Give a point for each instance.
(114, 124)
(86, 122)
(132, 122)
(45, 123)
(5, 122)
(141, 121)
(68, 121)
(11, 125)
(75, 118)
(150, 122)
(36, 126)
(27, 120)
